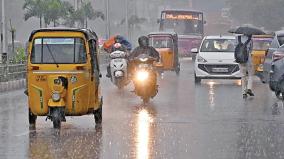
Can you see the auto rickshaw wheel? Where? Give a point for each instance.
(32, 118)
(56, 118)
(98, 114)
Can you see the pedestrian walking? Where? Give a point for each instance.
(243, 52)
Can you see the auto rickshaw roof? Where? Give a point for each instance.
(162, 33)
(87, 32)
(263, 36)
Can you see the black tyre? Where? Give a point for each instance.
(146, 100)
(178, 69)
(98, 115)
(32, 118)
(197, 80)
(56, 118)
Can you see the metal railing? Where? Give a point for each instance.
(9, 72)
(12, 72)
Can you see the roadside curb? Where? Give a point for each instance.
(12, 85)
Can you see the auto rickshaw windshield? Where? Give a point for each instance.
(261, 43)
(58, 51)
(161, 42)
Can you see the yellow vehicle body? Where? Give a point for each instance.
(75, 84)
(167, 59)
(260, 45)
(166, 43)
(258, 57)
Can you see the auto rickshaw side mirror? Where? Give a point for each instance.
(194, 50)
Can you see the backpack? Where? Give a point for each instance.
(241, 52)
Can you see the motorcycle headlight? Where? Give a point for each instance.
(55, 96)
(143, 59)
(201, 59)
(142, 75)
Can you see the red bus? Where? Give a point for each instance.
(189, 25)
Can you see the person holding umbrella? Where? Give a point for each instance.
(243, 52)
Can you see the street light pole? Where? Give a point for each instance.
(3, 35)
(126, 20)
(107, 20)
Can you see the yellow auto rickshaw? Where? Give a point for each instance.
(166, 43)
(260, 45)
(63, 75)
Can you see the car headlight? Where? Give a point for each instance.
(142, 75)
(55, 96)
(201, 59)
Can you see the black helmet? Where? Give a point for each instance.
(118, 39)
(143, 41)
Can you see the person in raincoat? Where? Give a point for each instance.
(116, 43)
(247, 67)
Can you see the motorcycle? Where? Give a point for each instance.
(118, 68)
(145, 77)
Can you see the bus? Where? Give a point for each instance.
(189, 25)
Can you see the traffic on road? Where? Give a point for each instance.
(181, 89)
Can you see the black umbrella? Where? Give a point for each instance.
(247, 31)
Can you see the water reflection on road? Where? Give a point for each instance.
(144, 132)
(68, 143)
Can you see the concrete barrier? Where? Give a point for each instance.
(12, 85)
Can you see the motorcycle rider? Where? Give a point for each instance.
(117, 46)
(144, 48)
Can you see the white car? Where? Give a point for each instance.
(215, 59)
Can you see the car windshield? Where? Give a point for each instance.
(218, 45)
(161, 42)
(58, 51)
(261, 43)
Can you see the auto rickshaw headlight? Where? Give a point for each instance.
(142, 75)
(260, 66)
(55, 96)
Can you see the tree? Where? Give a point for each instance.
(34, 8)
(82, 15)
(54, 10)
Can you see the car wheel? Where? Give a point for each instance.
(197, 80)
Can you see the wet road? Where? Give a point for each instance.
(207, 121)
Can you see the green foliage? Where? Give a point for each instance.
(20, 56)
(54, 11)
(262, 13)
(82, 14)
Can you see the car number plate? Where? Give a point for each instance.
(220, 70)
(117, 60)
